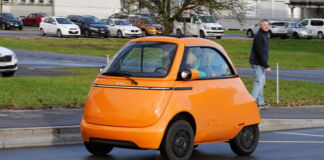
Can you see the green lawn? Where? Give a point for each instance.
(71, 91)
(290, 54)
(234, 32)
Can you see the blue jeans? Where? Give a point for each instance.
(258, 84)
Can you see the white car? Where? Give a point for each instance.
(315, 25)
(58, 26)
(8, 62)
(202, 26)
(121, 28)
(277, 29)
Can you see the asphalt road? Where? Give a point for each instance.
(286, 145)
(42, 63)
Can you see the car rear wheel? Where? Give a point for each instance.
(178, 141)
(21, 28)
(8, 74)
(246, 141)
(295, 36)
(270, 35)
(249, 33)
(41, 32)
(59, 34)
(120, 34)
(320, 35)
(98, 149)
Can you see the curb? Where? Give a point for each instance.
(63, 135)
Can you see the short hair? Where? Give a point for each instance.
(264, 20)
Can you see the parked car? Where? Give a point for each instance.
(59, 26)
(10, 21)
(8, 62)
(315, 25)
(277, 29)
(195, 97)
(118, 16)
(34, 19)
(90, 26)
(202, 26)
(148, 25)
(121, 28)
(296, 31)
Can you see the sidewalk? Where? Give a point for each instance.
(24, 128)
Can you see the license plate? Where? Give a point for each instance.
(103, 32)
(16, 25)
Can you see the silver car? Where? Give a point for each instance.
(277, 29)
(297, 31)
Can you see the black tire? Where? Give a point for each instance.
(246, 141)
(59, 34)
(202, 34)
(178, 141)
(320, 35)
(8, 74)
(87, 34)
(98, 149)
(3, 27)
(41, 32)
(218, 37)
(21, 28)
(120, 34)
(270, 35)
(295, 35)
(249, 33)
(144, 33)
(179, 33)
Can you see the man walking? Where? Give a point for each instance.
(259, 62)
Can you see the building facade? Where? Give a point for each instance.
(22, 8)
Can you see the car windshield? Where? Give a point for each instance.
(121, 23)
(92, 20)
(9, 16)
(143, 59)
(207, 19)
(63, 21)
(43, 14)
(296, 25)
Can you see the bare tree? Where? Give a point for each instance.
(167, 11)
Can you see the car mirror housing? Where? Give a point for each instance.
(188, 74)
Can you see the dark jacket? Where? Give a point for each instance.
(260, 49)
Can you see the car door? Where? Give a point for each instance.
(44, 25)
(194, 26)
(52, 26)
(215, 95)
(112, 27)
(81, 23)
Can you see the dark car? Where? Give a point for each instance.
(10, 21)
(90, 26)
(34, 19)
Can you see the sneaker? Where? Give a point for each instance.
(264, 106)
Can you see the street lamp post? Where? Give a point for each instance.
(1, 1)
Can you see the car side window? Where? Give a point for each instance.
(110, 22)
(317, 23)
(46, 20)
(80, 20)
(209, 62)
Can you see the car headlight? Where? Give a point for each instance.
(93, 28)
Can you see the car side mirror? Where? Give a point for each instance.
(54, 23)
(102, 68)
(188, 74)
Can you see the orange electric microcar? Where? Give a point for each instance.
(169, 94)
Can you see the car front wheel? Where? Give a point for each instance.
(41, 32)
(246, 141)
(201, 34)
(320, 35)
(98, 149)
(119, 34)
(3, 27)
(249, 33)
(178, 142)
(59, 34)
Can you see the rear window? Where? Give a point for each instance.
(317, 23)
(278, 24)
(143, 59)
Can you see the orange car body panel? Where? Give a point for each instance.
(220, 107)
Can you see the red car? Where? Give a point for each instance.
(34, 19)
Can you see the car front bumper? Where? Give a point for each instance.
(8, 67)
(102, 33)
(213, 33)
(128, 33)
(13, 26)
(67, 32)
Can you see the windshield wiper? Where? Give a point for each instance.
(126, 75)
